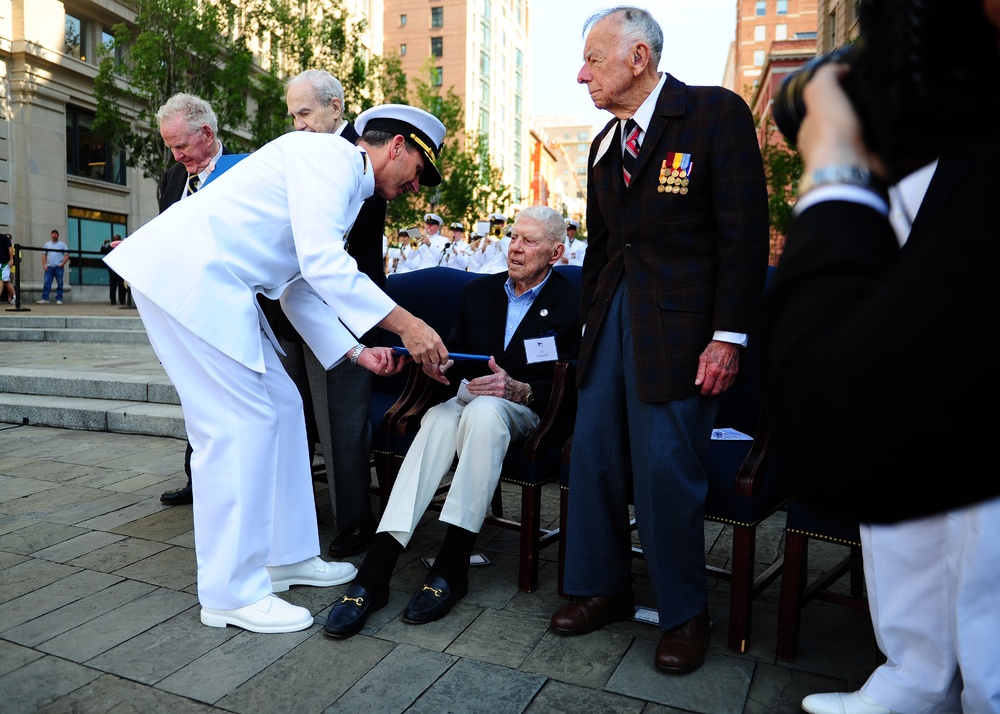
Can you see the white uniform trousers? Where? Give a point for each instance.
(253, 498)
(479, 433)
(934, 591)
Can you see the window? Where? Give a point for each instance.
(437, 76)
(88, 154)
(402, 50)
(761, 8)
(108, 41)
(583, 135)
(402, 20)
(758, 58)
(782, 7)
(759, 33)
(781, 32)
(75, 44)
(831, 32)
(86, 230)
(437, 17)
(437, 46)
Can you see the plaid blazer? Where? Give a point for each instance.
(695, 260)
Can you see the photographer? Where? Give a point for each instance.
(874, 384)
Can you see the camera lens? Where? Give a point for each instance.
(789, 107)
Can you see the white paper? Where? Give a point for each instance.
(464, 395)
(728, 434)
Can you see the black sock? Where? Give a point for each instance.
(452, 561)
(380, 560)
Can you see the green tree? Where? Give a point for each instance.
(176, 46)
(783, 169)
(317, 34)
(471, 186)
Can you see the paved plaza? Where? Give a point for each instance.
(98, 611)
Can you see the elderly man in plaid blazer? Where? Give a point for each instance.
(676, 260)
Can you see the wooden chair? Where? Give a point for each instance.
(529, 463)
(801, 527)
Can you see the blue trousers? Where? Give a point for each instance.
(660, 445)
(51, 272)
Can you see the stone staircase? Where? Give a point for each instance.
(85, 372)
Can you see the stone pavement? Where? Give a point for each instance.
(98, 611)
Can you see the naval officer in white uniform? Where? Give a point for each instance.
(274, 224)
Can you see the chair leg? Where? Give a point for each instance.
(531, 524)
(741, 588)
(793, 585)
(563, 506)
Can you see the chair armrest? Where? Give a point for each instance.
(556, 423)
(750, 477)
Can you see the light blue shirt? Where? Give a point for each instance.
(518, 306)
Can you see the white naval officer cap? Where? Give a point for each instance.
(497, 218)
(420, 128)
(457, 227)
(572, 224)
(432, 218)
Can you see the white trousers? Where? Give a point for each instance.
(934, 591)
(479, 434)
(253, 498)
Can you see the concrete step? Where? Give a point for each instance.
(25, 327)
(119, 416)
(102, 394)
(87, 385)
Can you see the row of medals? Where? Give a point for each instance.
(673, 181)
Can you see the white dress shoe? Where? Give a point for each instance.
(269, 614)
(842, 703)
(315, 571)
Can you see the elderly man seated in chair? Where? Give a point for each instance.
(523, 320)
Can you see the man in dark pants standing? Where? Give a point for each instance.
(339, 399)
(189, 128)
(676, 259)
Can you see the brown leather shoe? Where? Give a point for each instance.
(586, 614)
(682, 649)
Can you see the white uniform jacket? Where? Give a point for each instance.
(275, 224)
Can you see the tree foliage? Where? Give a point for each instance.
(472, 187)
(204, 48)
(783, 169)
(179, 46)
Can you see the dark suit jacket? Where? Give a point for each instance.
(695, 262)
(364, 244)
(173, 183)
(480, 327)
(873, 355)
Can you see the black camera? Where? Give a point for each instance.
(924, 79)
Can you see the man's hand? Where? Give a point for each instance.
(717, 367)
(381, 360)
(830, 134)
(499, 384)
(436, 372)
(422, 342)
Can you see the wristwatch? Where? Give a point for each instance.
(834, 174)
(530, 397)
(356, 353)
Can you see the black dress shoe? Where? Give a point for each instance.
(177, 497)
(434, 600)
(352, 542)
(350, 612)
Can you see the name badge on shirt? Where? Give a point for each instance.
(541, 349)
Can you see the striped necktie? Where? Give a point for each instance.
(631, 149)
(192, 184)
